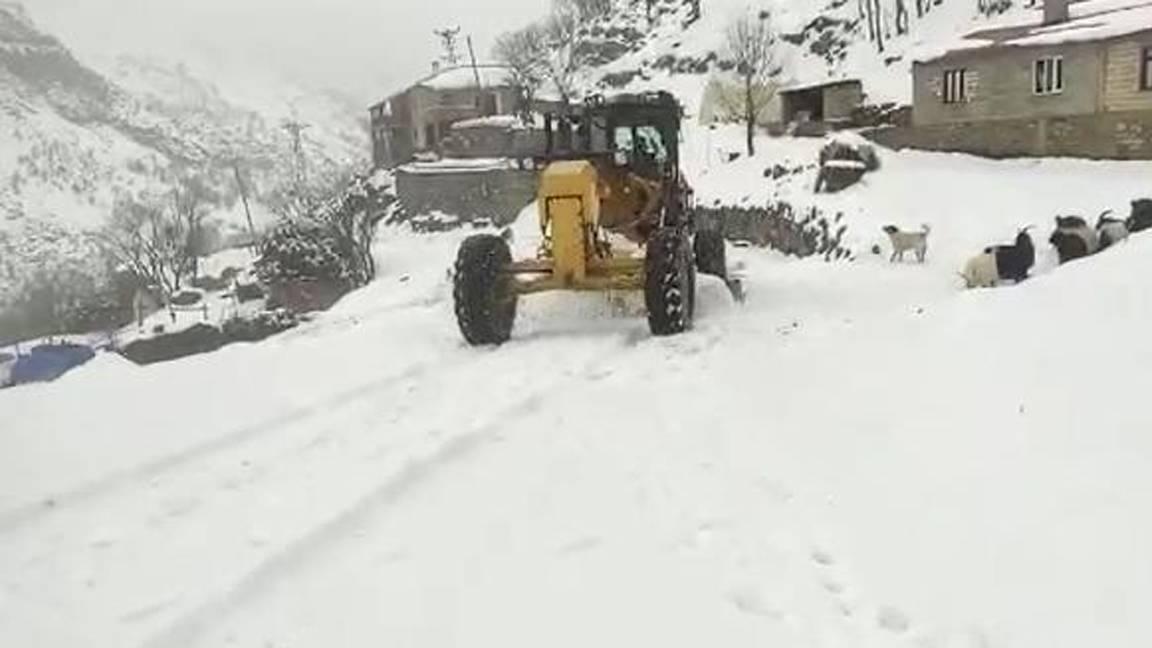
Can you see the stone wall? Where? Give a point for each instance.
(781, 227)
(1119, 135)
(841, 100)
(493, 195)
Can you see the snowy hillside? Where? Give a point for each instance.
(73, 136)
(862, 455)
(819, 40)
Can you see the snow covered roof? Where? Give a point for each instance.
(502, 122)
(462, 77)
(459, 78)
(1093, 20)
(457, 165)
(809, 84)
(800, 86)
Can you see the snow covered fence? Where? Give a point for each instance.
(782, 227)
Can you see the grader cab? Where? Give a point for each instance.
(615, 214)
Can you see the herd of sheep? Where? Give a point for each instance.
(1073, 239)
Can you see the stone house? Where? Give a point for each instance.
(831, 101)
(801, 108)
(1076, 83)
(418, 118)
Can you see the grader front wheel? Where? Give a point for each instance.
(669, 283)
(483, 290)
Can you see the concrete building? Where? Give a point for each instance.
(806, 109)
(831, 101)
(1075, 82)
(421, 116)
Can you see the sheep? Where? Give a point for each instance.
(999, 262)
(981, 271)
(1111, 230)
(1073, 239)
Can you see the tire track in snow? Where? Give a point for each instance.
(190, 627)
(20, 516)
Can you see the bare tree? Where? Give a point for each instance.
(151, 241)
(563, 30)
(902, 17)
(192, 199)
(751, 47)
(526, 53)
(585, 9)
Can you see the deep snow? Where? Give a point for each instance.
(862, 455)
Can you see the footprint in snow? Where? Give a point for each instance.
(823, 558)
(749, 600)
(103, 538)
(892, 620)
(580, 546)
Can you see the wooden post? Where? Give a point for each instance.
(476, 75)
(244, 199)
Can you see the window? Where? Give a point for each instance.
(955, 86)
(651, 144)
(1146, 69)
(1048, 77)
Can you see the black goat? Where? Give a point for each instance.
(1014, 261)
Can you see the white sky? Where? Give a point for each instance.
(363, 47)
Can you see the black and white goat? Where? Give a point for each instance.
(1001, 262)
(1111, 230)
(1141, 218)
(1073, 239)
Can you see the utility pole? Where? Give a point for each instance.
(295, 129)
(476, 74)
(475, 67)
(244, 198)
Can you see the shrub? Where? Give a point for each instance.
(301, 250)
(261, 326)
(249, 292)
(187, 298)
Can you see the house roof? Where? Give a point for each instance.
(801, 87)
(464, 76)
(461, 77)
(499, 122)
(1090, 21)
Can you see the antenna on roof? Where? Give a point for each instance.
(448, 39)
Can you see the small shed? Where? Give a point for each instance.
(831, 101)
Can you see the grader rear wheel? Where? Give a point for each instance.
(711, 256)
(669, 283)
(483, 290)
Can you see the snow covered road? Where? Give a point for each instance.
(861, 456)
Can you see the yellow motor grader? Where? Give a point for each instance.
(616, 215)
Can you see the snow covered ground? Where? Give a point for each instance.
(862, 455)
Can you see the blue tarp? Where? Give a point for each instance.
(48, 362)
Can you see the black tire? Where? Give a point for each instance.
(483, 290)
(669, 282)
(711, 256)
